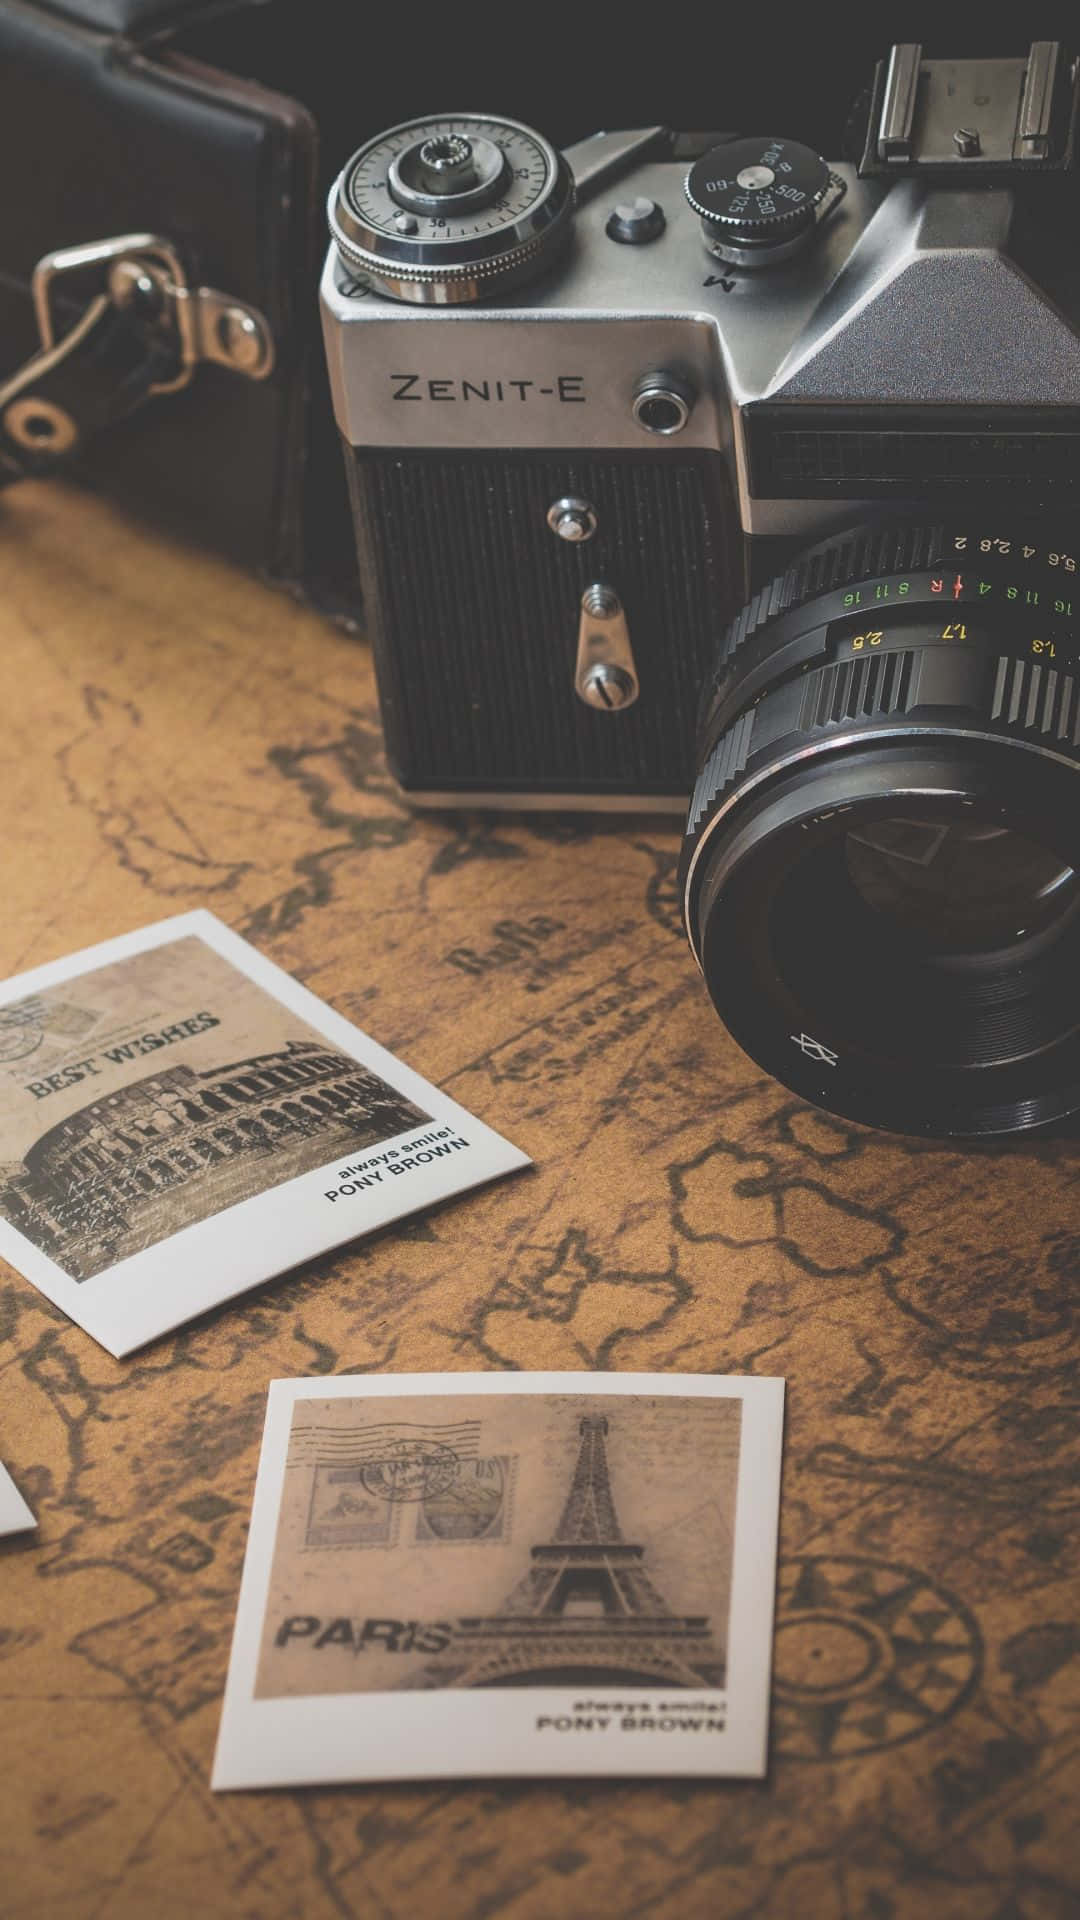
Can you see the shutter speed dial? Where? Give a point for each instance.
(760, 200)
(451, 209)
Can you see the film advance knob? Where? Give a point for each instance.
(757, 199)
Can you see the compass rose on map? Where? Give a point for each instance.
(867, 1655)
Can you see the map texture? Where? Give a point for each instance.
(176, 736)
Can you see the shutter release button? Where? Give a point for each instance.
(634, 222)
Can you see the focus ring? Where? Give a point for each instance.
(727, 759)
(975, 689)
(1036, 699)
(866, 689)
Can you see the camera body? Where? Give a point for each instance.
(570, 465)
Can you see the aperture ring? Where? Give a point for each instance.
(828, 567)
(1029, 601)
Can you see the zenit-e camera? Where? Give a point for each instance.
(709, 464)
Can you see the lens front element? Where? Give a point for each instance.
(959, 888)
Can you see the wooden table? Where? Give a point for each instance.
(177, 735)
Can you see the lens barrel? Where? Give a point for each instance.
(881, 868)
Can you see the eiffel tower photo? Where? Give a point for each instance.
(586, 1613)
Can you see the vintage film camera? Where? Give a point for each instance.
(599, 410)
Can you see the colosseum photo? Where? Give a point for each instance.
(179, 1145)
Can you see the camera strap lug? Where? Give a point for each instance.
(141, 329)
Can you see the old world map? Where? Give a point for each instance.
(177, 736)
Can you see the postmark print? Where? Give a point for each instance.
(411, 1470)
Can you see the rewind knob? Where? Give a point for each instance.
(456, 208)
(759, 200)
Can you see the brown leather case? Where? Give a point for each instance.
(109, 131)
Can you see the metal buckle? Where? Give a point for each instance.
(142, 266)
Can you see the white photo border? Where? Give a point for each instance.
(457, 1734)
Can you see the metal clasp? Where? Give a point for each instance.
(143, 267)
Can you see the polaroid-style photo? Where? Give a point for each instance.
(15, 1515)
(179, 1119)
(451, 1575)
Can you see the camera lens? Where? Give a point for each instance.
(881, 871)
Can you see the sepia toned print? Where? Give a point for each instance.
(503, 1541)
(147, 1095)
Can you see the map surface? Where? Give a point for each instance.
(684, 1214)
